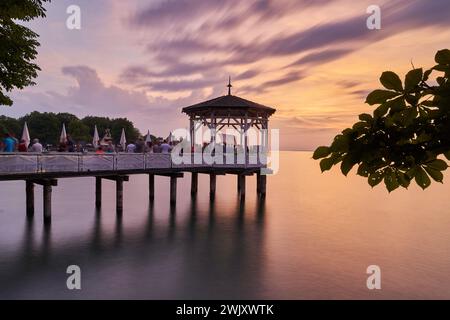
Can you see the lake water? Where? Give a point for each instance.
(313, 237)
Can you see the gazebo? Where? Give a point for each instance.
(230, 111)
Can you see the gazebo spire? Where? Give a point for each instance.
(229, 86)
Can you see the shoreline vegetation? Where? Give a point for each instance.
(46, 126)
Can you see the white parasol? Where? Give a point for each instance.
(26, 134)
(63, 137)
(148, 138)
(123, 139)
(96, 138)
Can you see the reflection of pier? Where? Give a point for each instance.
(227, 111)
(199, 245)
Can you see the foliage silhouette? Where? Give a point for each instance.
(407, 136)
(18, 45)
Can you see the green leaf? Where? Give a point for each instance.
(443, 56)
(336, 158)
(391, 182)
(347, 131)
(381, 110)
(435, 174)
(407, 116)
(360, 126)
(412, 99)
(365, 117)
(347, 165)
(321, 152)
(391, 80)
(380, 96)
(375, 178)
(411, 173)
(422, 178)
(363, 170)
(413, 78)
(403, 179)
(428, 103)
(437, 164)
(326, 164)
(442, 68)
(397, 104)
(340, 143)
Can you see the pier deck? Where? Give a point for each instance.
(44, 169)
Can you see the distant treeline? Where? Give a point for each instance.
(46, 126)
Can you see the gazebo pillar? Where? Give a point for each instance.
(192, 132)
(245, 133)
(213, 127)
(266, 134)
(192, 137)
(241, 137)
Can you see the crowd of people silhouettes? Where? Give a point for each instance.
(9, 143)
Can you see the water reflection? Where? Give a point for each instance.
(97, 231)
(46, 243)
(118, 238)
(313, 237)
(172, 222)
(200, 251)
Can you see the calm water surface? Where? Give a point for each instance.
(312, 237)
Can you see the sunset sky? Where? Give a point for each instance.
(314, 60)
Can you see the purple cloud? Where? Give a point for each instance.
(321, 57)
(90, 96)
(322, 43)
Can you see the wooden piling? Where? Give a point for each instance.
(241, 178)
(194, 183)
(29, 188)
(173, 189)
(151, 187)
(119, 190)
(119, 195)
(262, 185)
(98, 192)
(258, 182)
(47, 195)
(212, 185)
(47, 202)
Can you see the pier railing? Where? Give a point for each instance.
(19, 163)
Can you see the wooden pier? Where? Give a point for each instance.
(49, 179)
(227, 111)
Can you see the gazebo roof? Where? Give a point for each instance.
(231, 103)
(225, 105)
